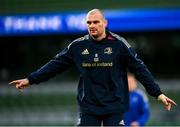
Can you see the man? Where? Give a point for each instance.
(138, 113)
(102, 58)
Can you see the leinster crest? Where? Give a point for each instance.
(108, 50)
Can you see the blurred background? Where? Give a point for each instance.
(34, 31)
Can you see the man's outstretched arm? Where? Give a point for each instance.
(60, 63)
(136, 66)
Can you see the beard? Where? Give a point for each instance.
(94, 34)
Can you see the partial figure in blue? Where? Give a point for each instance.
(138, 113)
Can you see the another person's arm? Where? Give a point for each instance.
(144, 110)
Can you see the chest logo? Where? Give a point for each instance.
(85, 52)
(108, 50)
(96, 58)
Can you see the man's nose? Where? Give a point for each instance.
(92, 25)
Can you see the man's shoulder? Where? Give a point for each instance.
(120, 39)
(79, 40)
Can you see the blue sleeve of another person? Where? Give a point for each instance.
(145, 113)
(139, 109)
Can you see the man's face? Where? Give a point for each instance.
(96, 24)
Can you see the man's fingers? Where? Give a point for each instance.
(165, 101)
(20, 86)
(171, 101)
(14, 82)
(168, 107)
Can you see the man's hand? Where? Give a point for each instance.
(21, 83)
(134, 124)
(167, 101)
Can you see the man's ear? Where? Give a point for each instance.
(105, 22)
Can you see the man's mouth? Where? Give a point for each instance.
(93, 31)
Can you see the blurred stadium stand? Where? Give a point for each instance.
(37, 6)
(54, 102)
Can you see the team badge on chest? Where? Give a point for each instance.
(108, 50)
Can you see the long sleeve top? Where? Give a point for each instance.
(102, 66)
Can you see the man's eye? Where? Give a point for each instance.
(88, 22)
(95, 22)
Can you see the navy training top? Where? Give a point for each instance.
(103, 86)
